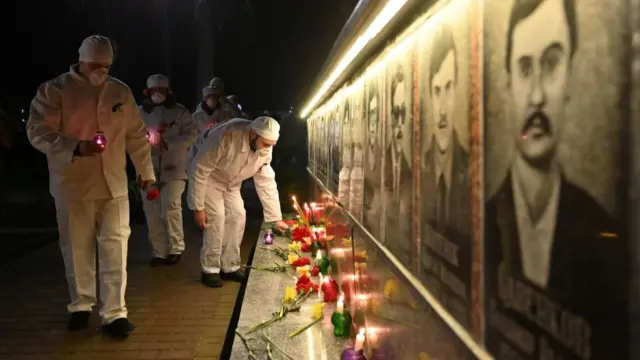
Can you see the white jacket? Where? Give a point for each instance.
(68, 109)
(224, 156)
(224, 112)
(177, 129)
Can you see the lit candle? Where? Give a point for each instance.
(359, 340)
(372, 335)
(319, 255)
(340, 306)
(100, 139)
(362, 301)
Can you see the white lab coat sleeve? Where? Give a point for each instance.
(43, 127)
(137, 144)
(265, 181)
(188, 131)
(201, 167)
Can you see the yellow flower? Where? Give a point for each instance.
(292, 258)
(307, 240)
(390, 288)
(295, 246)
(330, 237)
(362, 254)
(346, 242)
(303, 270)
(376, 306)
(289, 294)
(317, 311)
(360, 266)
(294, 226)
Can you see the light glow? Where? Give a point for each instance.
(383, 18)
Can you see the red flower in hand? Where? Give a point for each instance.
(153, 193)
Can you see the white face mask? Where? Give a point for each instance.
(158, 98)
(211, 103)
(98, 76)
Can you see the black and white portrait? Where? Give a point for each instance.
(373, 154)
(444, 180)
(335, 147)
(398, 158)
(311, 143)
(346, 154)
(323, 147)
(357, 145)
(554, 263)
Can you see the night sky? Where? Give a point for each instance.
(269, 52)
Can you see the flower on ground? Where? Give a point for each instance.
(295, 246)
(292, 258)
(317, 311)
(289, 294)
(390, 288)
(303, 270)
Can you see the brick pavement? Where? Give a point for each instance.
(176, 317)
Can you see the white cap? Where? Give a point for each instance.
(217, 83)
(208, 90)
(96, 49)
(158, 81)
(266, 127)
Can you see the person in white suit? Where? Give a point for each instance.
(203, 116)
(171, 131)
(88, 179)
(221, 158)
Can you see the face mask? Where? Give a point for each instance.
(98, 76)
(158, 98)
(211, 103)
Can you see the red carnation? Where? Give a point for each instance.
(315, 270)
(299, 233)
(153, 193)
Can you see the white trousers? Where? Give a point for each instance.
(80, 223)
(164, 220)
(222, 237)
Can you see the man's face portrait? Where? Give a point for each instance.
(373, 121)
(539, 69)
(399, 130)
(443, 101)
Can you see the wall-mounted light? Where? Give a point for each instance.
(383, 18)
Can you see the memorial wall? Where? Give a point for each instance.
(483, 152)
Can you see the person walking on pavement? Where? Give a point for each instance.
(221, 158)
(171, 131)
(85, 122)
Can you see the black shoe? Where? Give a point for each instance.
(212, 280)
(119, 328)
(158, 261)
(238, 276)
(79, 320)
(173, 259)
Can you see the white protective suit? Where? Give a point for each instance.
(220, 160)
(202, 120)
(164, 214)
(91, 193)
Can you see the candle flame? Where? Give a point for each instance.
(341, 298)
(325, 279)
(361, 332)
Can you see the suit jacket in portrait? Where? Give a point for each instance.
(587, 272)
(398, 208)
(373, 191)
(456, 226)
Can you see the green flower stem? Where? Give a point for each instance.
(252, 355)
(275, 346)
(300, 331)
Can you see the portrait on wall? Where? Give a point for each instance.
(310, 143)
(335, 144)
(373, 104)
(445, 207)
(554, 259)
(322, 148)
(357, 145)
(398, 156)
(346, 153)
